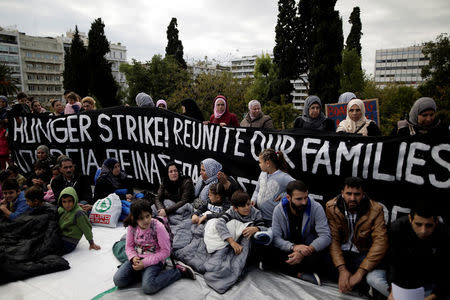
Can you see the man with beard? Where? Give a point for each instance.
(67, 178)
(359, 236)
(300, 234)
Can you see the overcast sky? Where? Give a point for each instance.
(222, 29)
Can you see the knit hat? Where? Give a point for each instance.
(3, 98)
(144, 100)
(110, 163)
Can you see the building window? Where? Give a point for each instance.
(30, 77)
(31, 87)
(57, 88)
(56, 78)
(48, 77)
(49, 88)
(38, 55)
(41, 88)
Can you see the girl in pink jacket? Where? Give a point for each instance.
(147, 247)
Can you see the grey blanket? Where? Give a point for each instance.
(220, 269)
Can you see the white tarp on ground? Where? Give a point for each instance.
(91, 274)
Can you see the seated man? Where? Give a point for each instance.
(300, 234)
(13, 203)
(358, 232)
(419, 252)
(68, 178)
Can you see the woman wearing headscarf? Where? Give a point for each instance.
(422, 119)
(356, 121)
(210, 173)
(176, 187)
(255, 117)
(222, 115)
(346, 97)
(313, 116)
(43, 155)
(190, 109)
(161, 103)
(111, 178)
(144, 100)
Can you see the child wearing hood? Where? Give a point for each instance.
(73, 221)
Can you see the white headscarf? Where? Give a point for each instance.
(350, 126)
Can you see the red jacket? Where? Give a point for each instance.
(228, 118)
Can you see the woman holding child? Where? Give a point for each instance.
(176, 187)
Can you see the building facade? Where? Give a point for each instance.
(245, 66)
(42, 62)
(9, 53)
(399, 65)
(206, 68)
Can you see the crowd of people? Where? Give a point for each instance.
(346, 240)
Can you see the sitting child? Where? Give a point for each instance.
(216, 206)
(40, 176)
(15, 174)
(73, 221)
(242, 211)
(13, 203)
(147, 247)
(49, 196)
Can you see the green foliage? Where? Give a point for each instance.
(285, 50)
(264, 78)
(354, 37)
(75, 67)
(101, 82)
(438, 75)
(352, 77)
(174, 45)
(206, 87)
(159, 77)
(324, 77)
(283, 114)
(304, 38)
(7, 81)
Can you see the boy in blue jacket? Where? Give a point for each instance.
(13, 203)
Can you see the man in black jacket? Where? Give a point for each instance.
(420, 252)
(80, 183)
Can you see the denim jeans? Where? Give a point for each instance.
(377, 279)
(153, 279)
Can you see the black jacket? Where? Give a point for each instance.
(414, 262)
(80, 183)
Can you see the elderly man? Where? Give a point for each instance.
(255, 117)
(358, 233)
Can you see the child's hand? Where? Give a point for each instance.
(138, 266)
(237, 248)
(201, 219)
(250, 231)
(94, 246)
(195, 219)
(162, 213)
(135, 260)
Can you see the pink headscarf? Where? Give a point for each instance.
(217, 114)
(161, 101)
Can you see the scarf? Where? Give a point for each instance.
(212, 167)
(313, 123)
(350, 126)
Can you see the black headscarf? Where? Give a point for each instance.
(192, 109)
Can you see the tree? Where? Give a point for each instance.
(304, 36)
(354, 37)
(174, 46)
(285, 50)
(7, 81)
(75, 67)
(352, 76)
(264, 78)
(159, 77)
(437, 74)
(101, 82)
(327, 52)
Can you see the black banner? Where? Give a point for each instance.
(396, 170)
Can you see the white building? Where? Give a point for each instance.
(206, 67)
(9, 53)
(245, 66)
(399, 65)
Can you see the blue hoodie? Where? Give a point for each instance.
(315, 230)
(19, 206)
